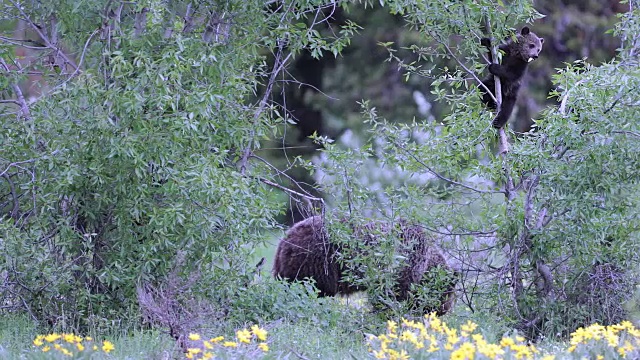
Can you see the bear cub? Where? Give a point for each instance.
(307, 252)
(517, 55)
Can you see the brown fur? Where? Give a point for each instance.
(307, 252)
(517, 55)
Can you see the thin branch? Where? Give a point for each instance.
(565, 98)
(618, 98)
(546, 221)
(277, 67)
(282, 173)
(11, 101)
(140, 21)
(44, 37)
(300, 356)
(18, 163)
(84, 52)
(468, 71)
(626, 132)
(24, 107)
(14, 195)
(278, 186)
(21, 43)
(441, 177)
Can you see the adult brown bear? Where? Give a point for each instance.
(307, 252)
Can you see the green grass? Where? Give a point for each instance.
(308, 340)
(15, 332)
(293, 340)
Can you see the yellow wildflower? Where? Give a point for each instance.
(193, 351)
(80, 346)
(403, 355)
(194, 337)
(217, 339)
(107, 346)
(392, 326)
(230, 344)
(409, 336)
(71, 338)
(506, 342)
(52, 337)
(38, 341)
(435, 323)
(264, 347)
(468, 328)
(260, 333)
(409, 323)
(433, 348)
(611, 337)
(207, 345)
(623, 350)
(465, 351)
(46, 348)
(243, 336)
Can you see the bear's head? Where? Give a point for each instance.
(528, 45)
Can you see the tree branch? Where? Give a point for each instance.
(469, 71)
(278, 186)
(503, 141)
(24, 107)
(16, 204)
(441, 177)
(44, 37)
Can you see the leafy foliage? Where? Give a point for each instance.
(138, 150)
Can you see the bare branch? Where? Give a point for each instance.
(618, 98)
(24, 107)
(44, 37)
(140, 22)
(625, 132)
(277, 67)
(18, 163)
(23, 42)
(16, 204)
(441, 177)
(470, 72)
(84, 52)
(188, 19)
(563, 102)
(282, 173)
(308, 197)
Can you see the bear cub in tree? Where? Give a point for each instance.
(307, 252)
(517, 55)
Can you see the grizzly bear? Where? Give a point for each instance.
(307, 252)
(517, 55)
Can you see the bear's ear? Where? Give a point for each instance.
(541, 40)
(525, 30)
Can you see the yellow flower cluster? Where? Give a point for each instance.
(434, 337)
(204, 348)
(70, 344)
(615, 340)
